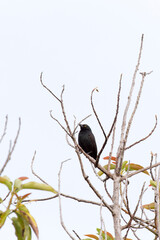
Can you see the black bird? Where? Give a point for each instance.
(87, 141)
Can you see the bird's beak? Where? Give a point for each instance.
(80, 125)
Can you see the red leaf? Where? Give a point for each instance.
(25, 196)
(112, 158)
(23, 178)
(92, 236)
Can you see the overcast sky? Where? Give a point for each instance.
(83, 44)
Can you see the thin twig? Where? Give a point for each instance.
(112, 145)
(105, 187)
(67, 140)
(143, 139)
(75, 128)
(92, 160)
(94, 170)
(5, 128)
(151, 172)
(86, 178)
(6, 196)
(64, 114)
(60, 206)
(95, 113)
(48, 88)
(66, 196)
(11, 149)
(59, 123)
(157, 222)
(140, 170)
(112, 126)
(33, 172)
(102, 224)
(136, 208)
(120, 152)
(77, 235)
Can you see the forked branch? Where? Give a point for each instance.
(113, 124)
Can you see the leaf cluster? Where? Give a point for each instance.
(22, 219)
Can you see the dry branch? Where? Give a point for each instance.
(41, 76)
(60, 205)
(11, 149)
(4, 130)
(143, 139)
(120, 152)
(112, 126)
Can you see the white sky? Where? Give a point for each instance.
(82, 44)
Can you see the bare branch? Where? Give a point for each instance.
(59, 196)
(92, 160)
(95, 113)
(151, 172)
(143, 139)
(123, 139)
(76, 234)
(112, 145)
(5, 128)
(6, 196)
(69, 142)
(33, 172)
(105, 187)
(136, 208)
(80, 123)
(112, 126)
(125, 191)
(66, 196)
(102, 224)
(59, 123)
(136, 105)
(11, 149)
(140, 170)
(86, 178)
(157, 217)
(64, 114)
(48, 89)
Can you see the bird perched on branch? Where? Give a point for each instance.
(87, 141)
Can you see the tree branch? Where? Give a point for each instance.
(143, 139)
(60, 206)
(4, 130)
(11, 149)
(120, 152)
(48, 88)
(112, 126)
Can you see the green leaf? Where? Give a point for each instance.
(87, 239)
(23, 208)
(22, 228)
(6, 181)
(153, 183)
(17, 185)
(135, 167)
(101, 232)
(18, 228)
(112, 166)
(3, 217)
(124, 164)
(109, 235)
(38, 186)
(149, 206)
(25, 214)
(31, 221)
